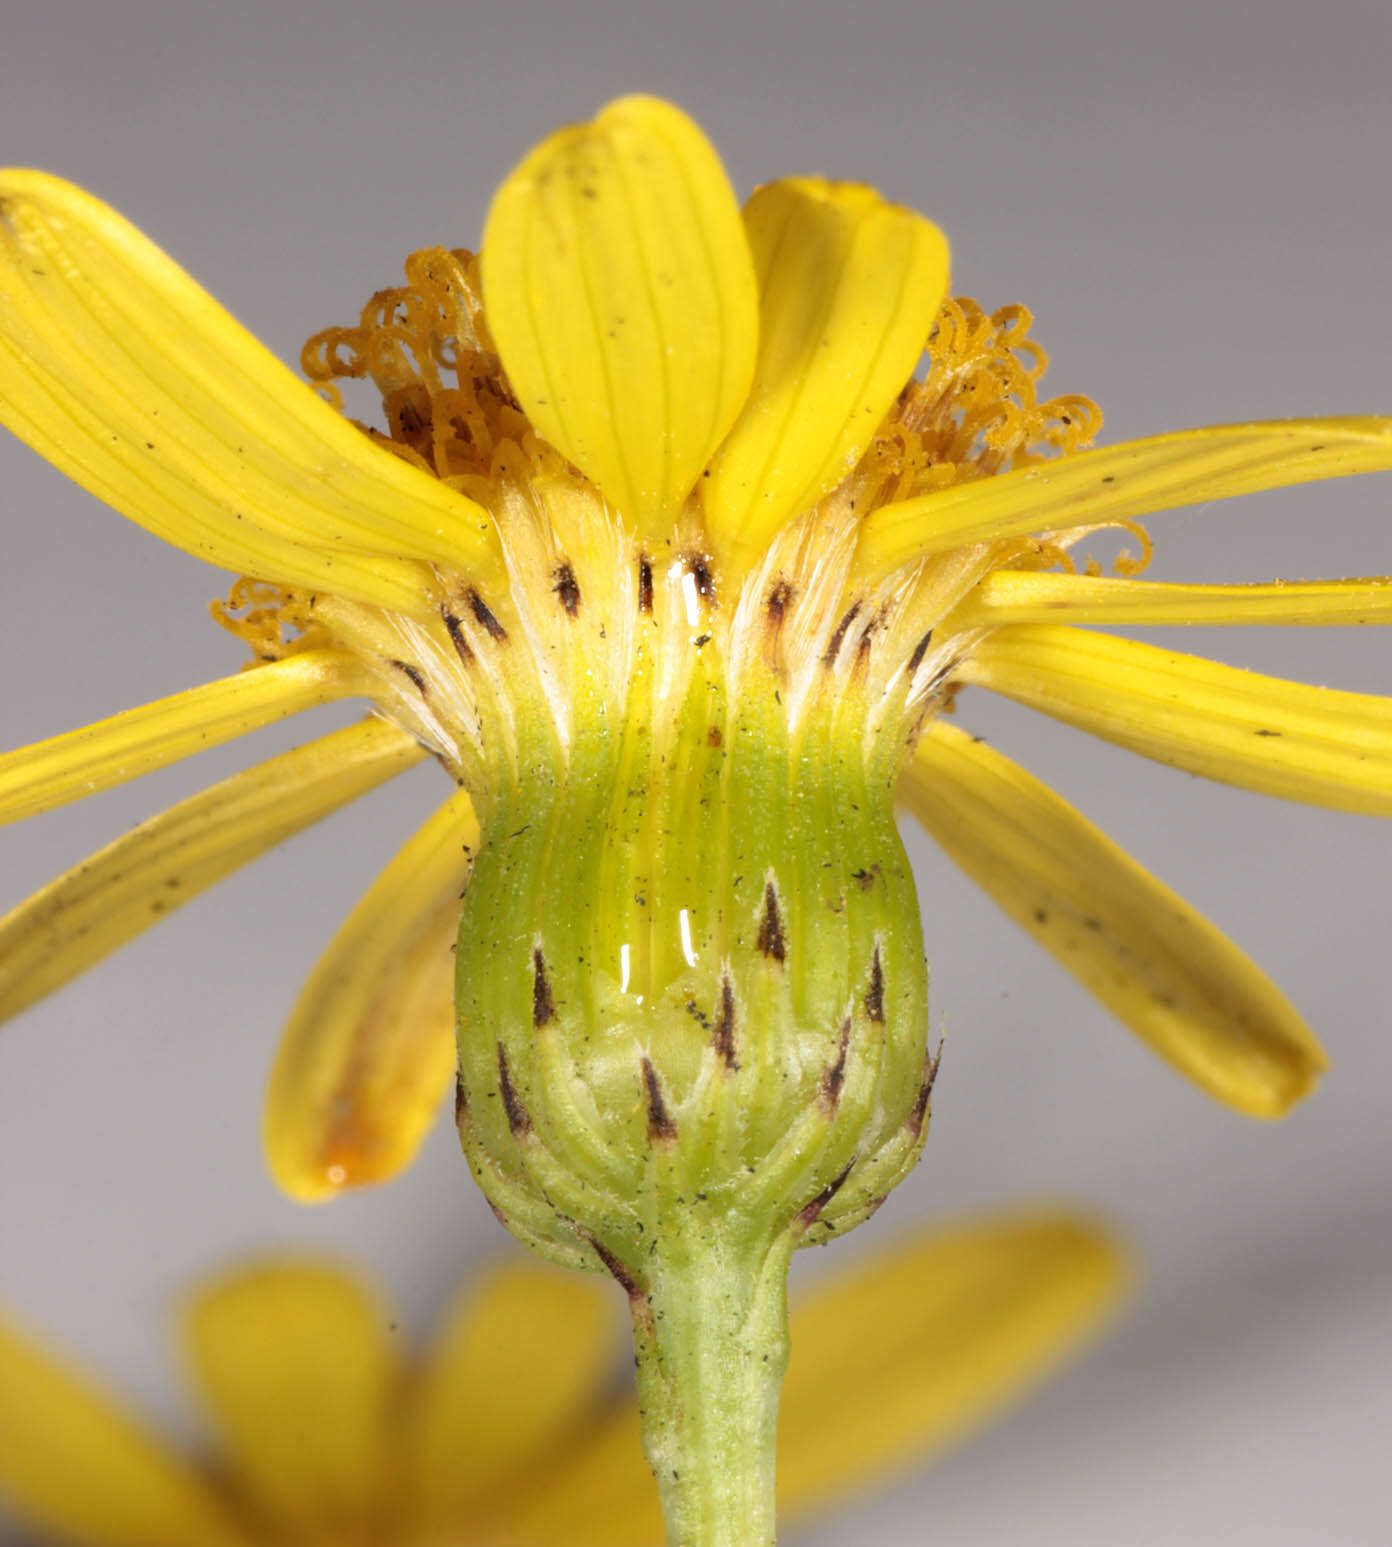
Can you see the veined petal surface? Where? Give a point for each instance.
(848, 289)
(147, 873)
(1135, 478)
(891, 1361)
(369, 1048)
(1176, 981)
(295, 1367)
(82, 762)
(619, 287)
(1034, 596)
(521, 1357)
(131, 379)
(77, 1467)
(1317, 745)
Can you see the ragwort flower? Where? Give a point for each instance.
(672, 562)
(506, 1432)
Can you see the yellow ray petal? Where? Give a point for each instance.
(619, 288)
(295, 1367)
(1282, 738)
(1178, 983)
(73, 1465)
(597, 1492)
(1136, 478)
(119, 892)
(909, 1351)
(129, 377)
(520, 1359)
(81, 762)
(1029, 596)
(891, 1362)
(848, 289)
(369, 1048)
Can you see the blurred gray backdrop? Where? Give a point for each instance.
(1194, 199)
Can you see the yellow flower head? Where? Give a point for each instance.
(676, 567)
(505, 1432)
(658, 477)
(667, 547)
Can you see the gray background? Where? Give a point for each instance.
(1193, 197)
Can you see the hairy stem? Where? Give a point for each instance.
(710, 1329)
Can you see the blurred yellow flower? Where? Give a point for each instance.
(506, 1433)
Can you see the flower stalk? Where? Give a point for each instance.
(712, 1345)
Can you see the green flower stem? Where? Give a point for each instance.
(712, 1343)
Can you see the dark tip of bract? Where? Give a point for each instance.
(838, 634)
(874, 994)
(517, 1120)
(771, 941)
(809, 1212)
(455, 630)
(413, 673)
(835, 1074)
(660, 1124)
(925, 1092)
(487, 619)
(622, 1276)
(698, 565)
(723, 1035)
(567, 589)
(543, 1005)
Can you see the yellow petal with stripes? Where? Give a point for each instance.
(369, 1048)
(131, 379)
(848, 289)
(295, 1367)
(522, 1358)
(76, 1468)
(1030, 596)
(1176, 981)
(619, 288)
(147, 873)
(82, 762)
(1136, 478)
(1317, 745)
(891, 1362)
